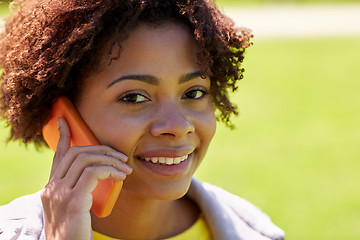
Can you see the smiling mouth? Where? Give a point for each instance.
(165, 160)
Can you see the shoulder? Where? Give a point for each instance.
(232, 216)
(22, 217)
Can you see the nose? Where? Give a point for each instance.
(170, 121)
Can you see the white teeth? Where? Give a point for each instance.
(169, 161)
(162, 160)
(177, 160)
(166, 160)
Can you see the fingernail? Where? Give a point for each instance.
(122, 156)
(129, 169)
(125, 159)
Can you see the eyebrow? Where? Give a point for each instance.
(154, 80)
(187, 77)
(143, 78)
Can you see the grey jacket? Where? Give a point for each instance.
(229, 217)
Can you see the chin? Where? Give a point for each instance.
(165, 191)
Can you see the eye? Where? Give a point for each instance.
(133, 97)
(195, 93)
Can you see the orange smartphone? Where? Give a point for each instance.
(107, 191)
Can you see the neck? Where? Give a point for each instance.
(135, 217)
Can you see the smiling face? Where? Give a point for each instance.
(152, 104)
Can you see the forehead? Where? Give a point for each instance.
(166, 38)
(145, 40)
(149, 49)
(161, 34)
(110, 46)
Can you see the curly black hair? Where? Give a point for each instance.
(48, 47)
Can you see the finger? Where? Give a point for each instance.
(109, 151)
(73, 153)
(85, 160)
(63, 144)
(92, 174)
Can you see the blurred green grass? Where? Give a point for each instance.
(294, 152)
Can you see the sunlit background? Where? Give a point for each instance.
(295, 149)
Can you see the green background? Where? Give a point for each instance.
(294, 152)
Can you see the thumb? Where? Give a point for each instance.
(63, 144)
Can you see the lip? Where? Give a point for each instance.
(164, 169)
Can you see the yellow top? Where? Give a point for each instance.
(199, 231)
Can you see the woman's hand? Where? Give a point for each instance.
(67, 198)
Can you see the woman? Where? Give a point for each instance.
(149, 78)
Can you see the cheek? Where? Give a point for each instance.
(121, 133)
(206, 127)
(205, 130)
